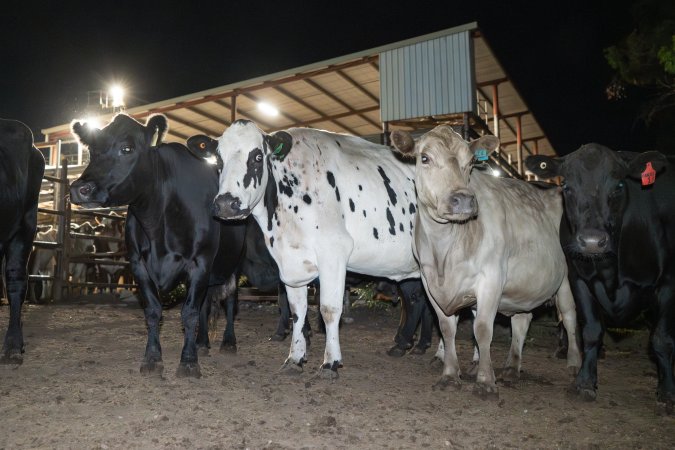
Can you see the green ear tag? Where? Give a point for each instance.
(279, 147)
(481, 154)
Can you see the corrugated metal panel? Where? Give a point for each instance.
(428, 78)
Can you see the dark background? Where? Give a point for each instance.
(52, 53)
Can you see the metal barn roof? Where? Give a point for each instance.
(343, 95)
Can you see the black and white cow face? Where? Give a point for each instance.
(246, 153)
(595, 190)
(443, 169)
(120, 160)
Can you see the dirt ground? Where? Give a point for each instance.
(80, 387)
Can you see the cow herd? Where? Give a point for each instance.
(424, 213)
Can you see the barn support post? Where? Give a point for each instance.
(385, 134)
(495, 110)
(233, 108)
(519, 144)
(61, 267)
(466, 126)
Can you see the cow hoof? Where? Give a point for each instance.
(190, 370)
(152, 368)
(510, 376)
(419, 349)
(396, 351)
(278, 337)
(290, 367)
(12, 357)
(584, 393)
(436, 363)
(228, 348)
(665, 402)
(446, 382)
(486, 392)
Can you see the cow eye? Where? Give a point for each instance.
(258, 157)
(565, 187)
(424, 158)
(126, 150)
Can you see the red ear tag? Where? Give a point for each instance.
(649, 175)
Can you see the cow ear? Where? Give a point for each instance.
(84, 132)
(641, 162)
(484, 146)
(155, 129)
(279, 144)
(543, 166)
(202, 146)
(402, 141)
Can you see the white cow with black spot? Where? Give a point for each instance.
(326, 203)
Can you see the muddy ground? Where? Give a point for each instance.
(80, 387)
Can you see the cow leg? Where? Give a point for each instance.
(565, 304)
(297, 299)
(663, 344)
(486, 311)
(426, 328)
(16, 278)
(332, 274)
(152, 308)
(205, 320)
(196, 293)
(450, 378)
(283, 325)
(229, 342)
(586, 382)
(520, 323)
(413, 304)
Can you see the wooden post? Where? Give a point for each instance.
(519, 144)
(233, 109)
(466, 126)
(61, 266)
(495, 110)
(385, 134)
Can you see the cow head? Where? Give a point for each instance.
(443, 170)
(119, 153)
(246, 153)
(595, 192)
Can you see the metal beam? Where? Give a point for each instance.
(339, 101)
(492, 82)
(199, 128)
(209, 116)
(244, 115)
(360, 88)
(331, 118)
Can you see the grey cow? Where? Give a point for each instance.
(485, 242)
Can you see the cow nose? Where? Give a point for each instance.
(227, 206)
(82, 191)
(593, 241)
(462, 203)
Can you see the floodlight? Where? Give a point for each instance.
(268, 109)
(117, 93)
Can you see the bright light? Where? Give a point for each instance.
(117, 93)
(496, 172)
(268, 109)
(93, 122)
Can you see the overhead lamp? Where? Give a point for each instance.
(496, 172)
(116, 92)
(268, 109)
(93, 122)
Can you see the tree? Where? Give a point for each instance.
(646, 59)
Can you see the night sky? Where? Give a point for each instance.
(53, 53)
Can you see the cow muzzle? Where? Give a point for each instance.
(593, 242)
(460, 206)
(85, 193)
(226, 206)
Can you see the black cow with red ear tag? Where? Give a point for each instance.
(619, 238)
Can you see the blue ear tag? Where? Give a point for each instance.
(481, 154)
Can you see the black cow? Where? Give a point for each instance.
(619, 238)
(21, 169)
(170, 234)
